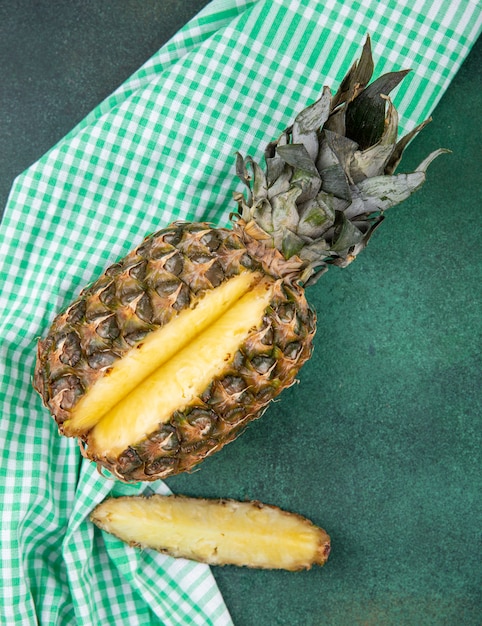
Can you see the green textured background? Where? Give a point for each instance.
(380, 442)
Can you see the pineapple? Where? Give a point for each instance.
(216, 532)
(178, 346)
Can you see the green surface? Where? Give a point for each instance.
(380, 442)
(59, 59)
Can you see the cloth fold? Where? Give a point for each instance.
(161, 148)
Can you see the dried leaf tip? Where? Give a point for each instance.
(330, 175)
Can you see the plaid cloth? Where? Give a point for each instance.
(161, 148)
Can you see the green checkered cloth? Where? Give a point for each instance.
(159, 149)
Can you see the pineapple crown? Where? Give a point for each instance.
(329, 177)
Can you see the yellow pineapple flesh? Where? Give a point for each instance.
(154, 351)
(217, 532)
(182, 378)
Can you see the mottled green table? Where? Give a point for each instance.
(380, 442)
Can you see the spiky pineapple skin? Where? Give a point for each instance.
(266, 363)
(144, 291)
(132, 298)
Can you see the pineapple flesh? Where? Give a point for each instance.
(175, 348)
(216, 532)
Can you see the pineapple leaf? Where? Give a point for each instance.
(308, 122)
(357, 78)
(243, 174)
(260, 186)
(370, 162)
(274, 163)
(282, 183)
(401, 145)
(305, 175)
(316, 251)
(423, 166)
(336, 122)
(285, 214)
(365, 115)
(389, 136)
(298, 157)
(343, 148)
(329, 176)
(316, 217)
(346, 234)
(291, 244)
(360, 206)
(262, 215)
(309, 185)
(387, 191)
(314, 116)
(365, 65)
(334, 179)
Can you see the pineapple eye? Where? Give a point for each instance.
(144, 308)
(293, 350)
(166, 438)
(263, 364)
(133, 339)
(211, 240)
(215, 274)
(76, 313)
(162, 466)
(173, 237)
(114, 269)
(107, 295)
(286, 312)
(108, 328)
(68, 389)
(166, 288)
(69, 398)
(129, 460)
(138, 271)
(201, 257)
(174, 263)
(183, 298)
(234, 415)
(201, 423)
(71, 350)
(234, 384)
(101, 360)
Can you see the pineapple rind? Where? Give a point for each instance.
(181, 379)
(139, 294)
(217, 532)
(154, 351)
(222, 410)
(266, 363)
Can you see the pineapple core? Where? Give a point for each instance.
(155, 350)
(181, 378)
(218, 532)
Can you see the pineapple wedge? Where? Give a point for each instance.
(216, 532)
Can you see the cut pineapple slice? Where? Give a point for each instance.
(181, 379)
(155, 350)
(217, 532)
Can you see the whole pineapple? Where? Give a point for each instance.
(175, 348)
